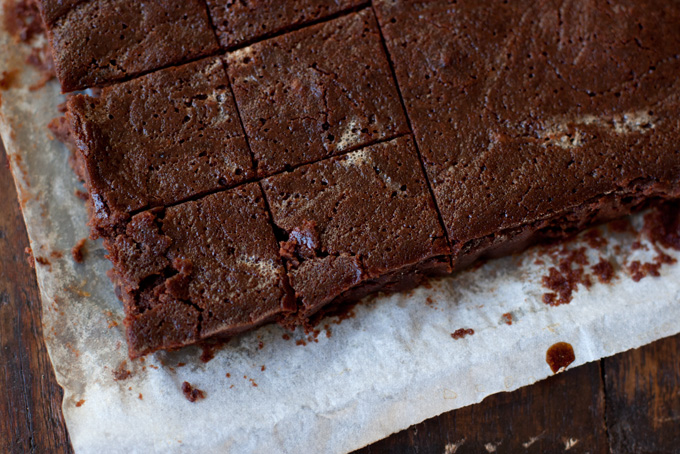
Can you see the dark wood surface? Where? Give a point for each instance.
(629, 403)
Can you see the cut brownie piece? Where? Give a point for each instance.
(316, 92)
(101, 41)
(357, 224)
(200, 269)
(242, 22)
(158, 140)
(535, 119)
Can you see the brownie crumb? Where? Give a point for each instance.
(604, 271)
(121, 372)
(563, 280)
(77, 251)
(662, 225)
(462, 332)
(29, 257)
(192, 394)
(210, 347)
(82, 195)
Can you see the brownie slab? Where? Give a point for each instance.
(157, 140)
(101, 41)
(356, 224)
(200, 269)
(531, 117)
(312, 93)
(242, 22)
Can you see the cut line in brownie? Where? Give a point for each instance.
(157, 140)
(98, 42)
(526, 113)
(201, 269)
(356, 224)
(309, 94)
(238, 23)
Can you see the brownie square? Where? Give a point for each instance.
(530, 117)
(157, 140)
(101, 41)
(200, 269)
(356, 224)
(309, 94)
(238, 23)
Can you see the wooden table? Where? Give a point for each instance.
(629, 403)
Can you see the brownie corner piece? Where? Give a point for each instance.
(237, 23)
(357, 224)
(201, 269)
(98, 42)
(158, 140)
(549, 124)
(316, 92)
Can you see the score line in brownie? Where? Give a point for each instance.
(357, 224)
(237, 23)
(158, 140)
(315, 92)
(98, 42)
(200, 269)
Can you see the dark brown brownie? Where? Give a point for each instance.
(309, 94)
(54, 9)
(157, 140)
(238, 22)
(357, 224)
(536, 118)
(101, 41)
(200, 269)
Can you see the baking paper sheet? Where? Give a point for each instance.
(392, 365)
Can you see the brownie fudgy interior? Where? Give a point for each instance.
(367, 144)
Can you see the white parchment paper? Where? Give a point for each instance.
(392, 365)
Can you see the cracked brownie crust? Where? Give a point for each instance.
(357, 224)
(158, 140)
(101, 41)
(199, 269)
(514, 130)
(313, 93)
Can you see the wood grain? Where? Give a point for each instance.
(564, 412)
(30, 406)
(643, 398)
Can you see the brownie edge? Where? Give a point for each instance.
(201, 269)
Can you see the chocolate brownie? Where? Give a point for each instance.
(157, 140)
(309, 94)
(200, 269)
(101, 41)
(241, 22)
(535, 118)
(52, 10)
(356, 224)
